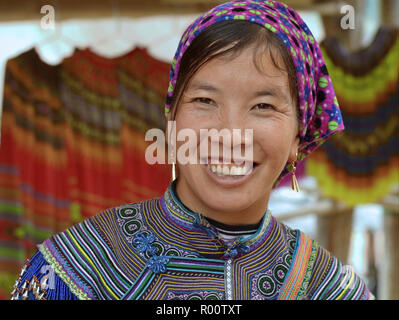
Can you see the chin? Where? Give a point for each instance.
(230, 201)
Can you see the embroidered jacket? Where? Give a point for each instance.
(159, 249)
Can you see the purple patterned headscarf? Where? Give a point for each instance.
(319, 110)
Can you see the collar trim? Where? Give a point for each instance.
(177, 212)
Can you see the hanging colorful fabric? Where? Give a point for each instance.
(361, 164)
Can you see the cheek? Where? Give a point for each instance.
(187, 118)
(187, 141)
(275, 139)
(189, 124)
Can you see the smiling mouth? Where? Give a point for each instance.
(231, 170)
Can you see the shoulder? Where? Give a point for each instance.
(333, 280)
(90, 260)
(105, 227)
(38, 281)
(324, 277)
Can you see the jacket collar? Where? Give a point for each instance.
(183, 217)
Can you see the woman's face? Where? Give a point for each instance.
(232, 93)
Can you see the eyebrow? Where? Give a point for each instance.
(203, 86)
(273, 92)
(270, 92)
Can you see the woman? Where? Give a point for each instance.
(242, 65)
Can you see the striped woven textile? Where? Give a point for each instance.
(159, 249)
(361, 164)
(72, 144)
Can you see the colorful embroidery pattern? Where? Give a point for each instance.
(147, 251)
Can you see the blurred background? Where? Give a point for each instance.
(82, 81)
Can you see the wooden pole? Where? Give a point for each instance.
(334, 231)
(390, 13)
(372, 271)
(389, 268)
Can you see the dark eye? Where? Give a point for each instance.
(203, 100)
(263, 106)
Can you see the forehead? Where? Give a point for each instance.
(249, 69)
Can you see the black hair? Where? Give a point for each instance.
(229, 38)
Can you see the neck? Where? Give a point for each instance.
(247, 216)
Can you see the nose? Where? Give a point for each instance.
(232, 138)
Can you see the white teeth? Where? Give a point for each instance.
(226, 171)
(229, 171)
